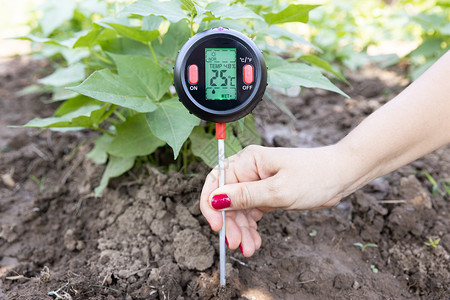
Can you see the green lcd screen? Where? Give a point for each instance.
(220, 65)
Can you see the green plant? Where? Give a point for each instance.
(441, 186)
(128, 94)
(433, 243)
(433, 22)
(313, 232)
(363, 247)
(374, 269)
(345, 29)
(39, 182)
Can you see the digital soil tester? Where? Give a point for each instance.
(220, 76)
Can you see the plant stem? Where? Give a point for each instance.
(103, 59)
(185, 156)
(103, 131)
(120, 116)
(192, 24)
(153, 52)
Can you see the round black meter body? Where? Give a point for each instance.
(220, 75)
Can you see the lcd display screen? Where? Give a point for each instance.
(220, 73)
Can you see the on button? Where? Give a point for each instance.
(193, 74)
(248, 74)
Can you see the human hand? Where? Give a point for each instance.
(260, 179)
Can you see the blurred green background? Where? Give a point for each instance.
(349, 32)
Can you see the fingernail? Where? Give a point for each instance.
(220, 201)
(226, 242)
(240, 248)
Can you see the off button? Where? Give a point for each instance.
(193, 74)
(248, 74)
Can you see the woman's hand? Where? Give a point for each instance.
(260, 179)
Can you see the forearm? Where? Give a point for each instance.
(411, 125)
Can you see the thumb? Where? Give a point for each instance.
(245, 195)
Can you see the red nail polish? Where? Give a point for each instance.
(226, 242)
(240, 248)
(220, 201)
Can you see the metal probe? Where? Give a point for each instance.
(221, 156)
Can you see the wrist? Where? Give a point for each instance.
(361, 166)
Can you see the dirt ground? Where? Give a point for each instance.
(145, 238)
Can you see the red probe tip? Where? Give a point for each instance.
(221, 131)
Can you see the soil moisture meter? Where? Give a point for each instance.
(220, 75)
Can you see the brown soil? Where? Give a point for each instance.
(145, 238)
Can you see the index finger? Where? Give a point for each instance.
(240, 167)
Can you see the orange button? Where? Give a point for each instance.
(193, 74)
(248, 74)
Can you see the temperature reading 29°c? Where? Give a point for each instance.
(220, 73)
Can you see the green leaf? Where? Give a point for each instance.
(171, 10)
(278, 103)
(98, 153)
(98, 116)
(65, 76)
(232, 24)
(105, 86)
(123, 20)
(314, 60)
(445, 30)
(56, 12)
(60, 93)
(144, 74)
(135, 33)
(73, 104)
(430, 21)
(172, 123)
(267, 3)
(286, 75)
(33, 89)
(89, 7)
(37, 39)
(116, 167)
(201, 13)
(134, 138)
(188, 5)
(151, 22)
(76, 118)
(443, 3)
(235, 11)
(428, 48)
(204, 145)
(292, 13)
(173, 40)
(278, 32)
(248, 135)
(90, 38)
(73, 56)
(125, 46)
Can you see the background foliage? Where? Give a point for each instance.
(113, 64)
(345, 30)
(114, 73)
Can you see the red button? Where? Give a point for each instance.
(248, 74)
(193, 74)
